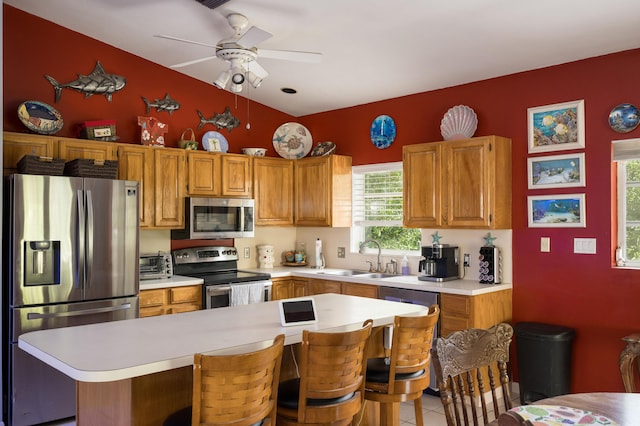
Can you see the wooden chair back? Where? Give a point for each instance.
(406, 373)
(238, 390)
(331, 383)
(464, 362)
(629, 362)
(509, 418)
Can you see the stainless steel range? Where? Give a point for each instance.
(224, 284)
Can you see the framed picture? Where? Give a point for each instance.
(557, 211)
(556, 171)
(556, 127)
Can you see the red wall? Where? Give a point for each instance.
(576, 290)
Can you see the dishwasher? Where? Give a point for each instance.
(416, 297)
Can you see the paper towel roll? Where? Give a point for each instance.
(319, 261)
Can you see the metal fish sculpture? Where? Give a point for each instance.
(222, 121)
(97, 83)
(164, 104)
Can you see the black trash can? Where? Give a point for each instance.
(544, 360)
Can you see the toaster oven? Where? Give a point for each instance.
(155, 266)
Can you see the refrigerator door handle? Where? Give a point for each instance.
(89, 242)
(80, 235)
(36, 315)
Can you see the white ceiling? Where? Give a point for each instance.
(372, 49)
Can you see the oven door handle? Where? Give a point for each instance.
(217, 289)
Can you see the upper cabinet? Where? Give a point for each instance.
(323, 191)
(458, 184)
(273, 191)
(71, 149)
(219, 175)
(16, 145)
(135, 162)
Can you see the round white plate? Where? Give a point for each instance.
(292, 141)
(214, 142)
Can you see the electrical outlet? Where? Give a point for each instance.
(341, 252)
(467, 260)
(247, 252)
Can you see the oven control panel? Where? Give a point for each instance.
(205, 254)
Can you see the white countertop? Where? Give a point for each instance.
(130, 348)
(463, 287)
(174, 281)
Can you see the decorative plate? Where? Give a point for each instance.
(214, 142)
(323, 148)
(40, 117)
(624, 118)
(557, 415)
(460, 122)
(292, 141)
(383, 131)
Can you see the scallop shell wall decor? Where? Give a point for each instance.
(460, 122)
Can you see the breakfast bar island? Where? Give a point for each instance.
(138, 372)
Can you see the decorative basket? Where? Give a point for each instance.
(188, 143)
(39, 165)
(83, 167)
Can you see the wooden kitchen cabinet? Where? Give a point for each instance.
(273, 189)
(458, 312)
(287, 287)
(172, 300)
(458, 184)
(363, 290)
(323, 191)
(161, 173)
(16, 145)
(219, 175)
(236, 176)
(316, 286)
(71, 149)
(204, 172)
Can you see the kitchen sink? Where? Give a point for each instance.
(378, 275)
(345, 273)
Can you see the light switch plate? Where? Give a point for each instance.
(247, 252)
(584, 245)
(545, 244)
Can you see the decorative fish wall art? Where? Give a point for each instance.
(164, 104)
(226, 120)
(98, 82)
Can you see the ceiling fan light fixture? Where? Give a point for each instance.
(254, 80)
(237, 78)
(236, 88)
(222, 80)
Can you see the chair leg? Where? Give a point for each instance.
(417, 407)
(389, 414)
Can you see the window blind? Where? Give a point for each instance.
(626, 149)
(377, 195)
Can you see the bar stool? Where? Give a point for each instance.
(238, 390)
(330, 386)
(405, 374)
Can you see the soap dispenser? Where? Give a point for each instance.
(405, 266)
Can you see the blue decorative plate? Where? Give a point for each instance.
(624, 118)
(40, 117)
(214, 142)
(383, 131)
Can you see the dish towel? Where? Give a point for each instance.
(244, 294)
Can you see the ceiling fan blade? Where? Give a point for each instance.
(184, 40)
(253, 36)
(291, 55)
(255, 68)
(195, 61)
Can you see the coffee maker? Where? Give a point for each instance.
(439, 263)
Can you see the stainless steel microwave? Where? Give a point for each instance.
(216, 218)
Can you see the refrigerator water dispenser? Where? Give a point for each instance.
(42, 263)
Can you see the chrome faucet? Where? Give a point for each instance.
(361, 251)
(391, 267)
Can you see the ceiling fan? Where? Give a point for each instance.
(241, 53)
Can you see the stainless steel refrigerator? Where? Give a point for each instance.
(71, 256)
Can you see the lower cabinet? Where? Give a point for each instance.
(323, 286)
(288, 287)
(172, 300)
(363, 290)
(458, 312)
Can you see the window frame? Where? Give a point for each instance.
(357, 231)
(624, 151)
